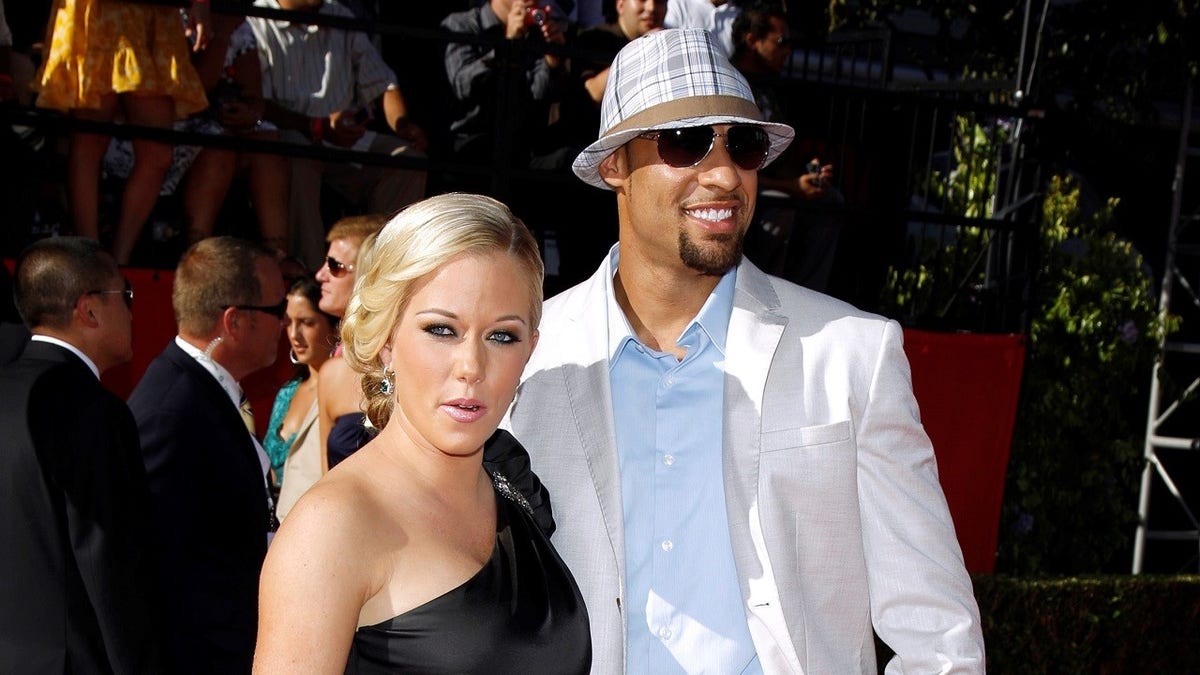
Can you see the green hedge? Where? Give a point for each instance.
(1143, 625)
(1109, 624)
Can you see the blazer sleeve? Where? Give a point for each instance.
(922, 600)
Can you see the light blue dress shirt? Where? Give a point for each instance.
(683, 601)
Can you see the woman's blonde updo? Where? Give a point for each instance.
(417, 241)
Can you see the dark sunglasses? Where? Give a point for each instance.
(278, 311)
(688, 146)
(126, 294)
(337, 268)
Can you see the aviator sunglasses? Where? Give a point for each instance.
(337, 268)
(688, 146)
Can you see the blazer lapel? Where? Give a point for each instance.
(755, 329)
(590, 392)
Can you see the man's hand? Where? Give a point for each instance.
(199, 27)
(345, 129)
(814, 183)
(514, 23)
(412, 133)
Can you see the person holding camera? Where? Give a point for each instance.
(507, 82)
(796, 231)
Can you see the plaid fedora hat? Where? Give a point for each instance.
(670, 79)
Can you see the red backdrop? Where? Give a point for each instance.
(966, 385)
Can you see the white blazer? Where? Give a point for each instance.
(836, 517)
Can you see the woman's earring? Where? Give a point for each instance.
(385, 387)
(292, 357)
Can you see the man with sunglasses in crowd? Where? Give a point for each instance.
(739, 475)
(212, 510)
(75, 578)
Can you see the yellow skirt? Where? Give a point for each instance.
(102, 47)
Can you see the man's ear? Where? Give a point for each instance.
(230, 321)
(84, 310)
(615, 168)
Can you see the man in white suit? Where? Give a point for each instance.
(738, 470)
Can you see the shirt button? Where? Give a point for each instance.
(668, 459)
(667, 545)
(664, 633)
(670, 381)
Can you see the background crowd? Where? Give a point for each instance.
(416, 103)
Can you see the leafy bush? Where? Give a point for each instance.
(1071, 495)
(1120, 624)
(1070, 499)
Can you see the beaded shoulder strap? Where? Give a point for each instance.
(509, 492)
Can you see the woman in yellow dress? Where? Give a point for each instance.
(105, 56)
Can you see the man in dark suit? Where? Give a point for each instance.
(74, 575)
(211, 508)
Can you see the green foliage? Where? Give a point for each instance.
(1122, 624)
(941, 284)
(1071, 495)
(1070, 499)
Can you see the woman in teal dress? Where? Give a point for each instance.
(291, 441)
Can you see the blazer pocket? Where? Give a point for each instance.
(802, 437)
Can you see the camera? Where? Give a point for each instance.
(814, 169)
(536, 16)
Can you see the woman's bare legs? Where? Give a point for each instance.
(268, 176)
(204, 191)
(150, 164)
(83, 170)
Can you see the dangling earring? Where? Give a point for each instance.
(385, 386)
(292, 357)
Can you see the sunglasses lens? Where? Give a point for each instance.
(748, 146)
(684, 147)
(336, 268)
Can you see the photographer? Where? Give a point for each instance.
(511, 82)
(797, 244)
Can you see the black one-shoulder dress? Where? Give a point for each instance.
(521, 613)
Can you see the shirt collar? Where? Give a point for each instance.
(222, 376)
(713, 317)
(284, 23)
(71, 348)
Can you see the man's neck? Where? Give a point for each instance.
(658, 303)
(214, 348)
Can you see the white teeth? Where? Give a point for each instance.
(712, 214)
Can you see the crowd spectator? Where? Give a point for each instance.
(293, 438)
(714, 16)
(342, 421)
(330, 86)
(739, 469)
(75, 576)
(211, 506)
(229, 70)
(797, 244)
(508, 78)
(597, 47)
(105, 55)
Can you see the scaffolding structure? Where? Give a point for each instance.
(1173, 421)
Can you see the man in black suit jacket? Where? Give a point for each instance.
(74, 575)
(207, 473)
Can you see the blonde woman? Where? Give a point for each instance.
(412, 554)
